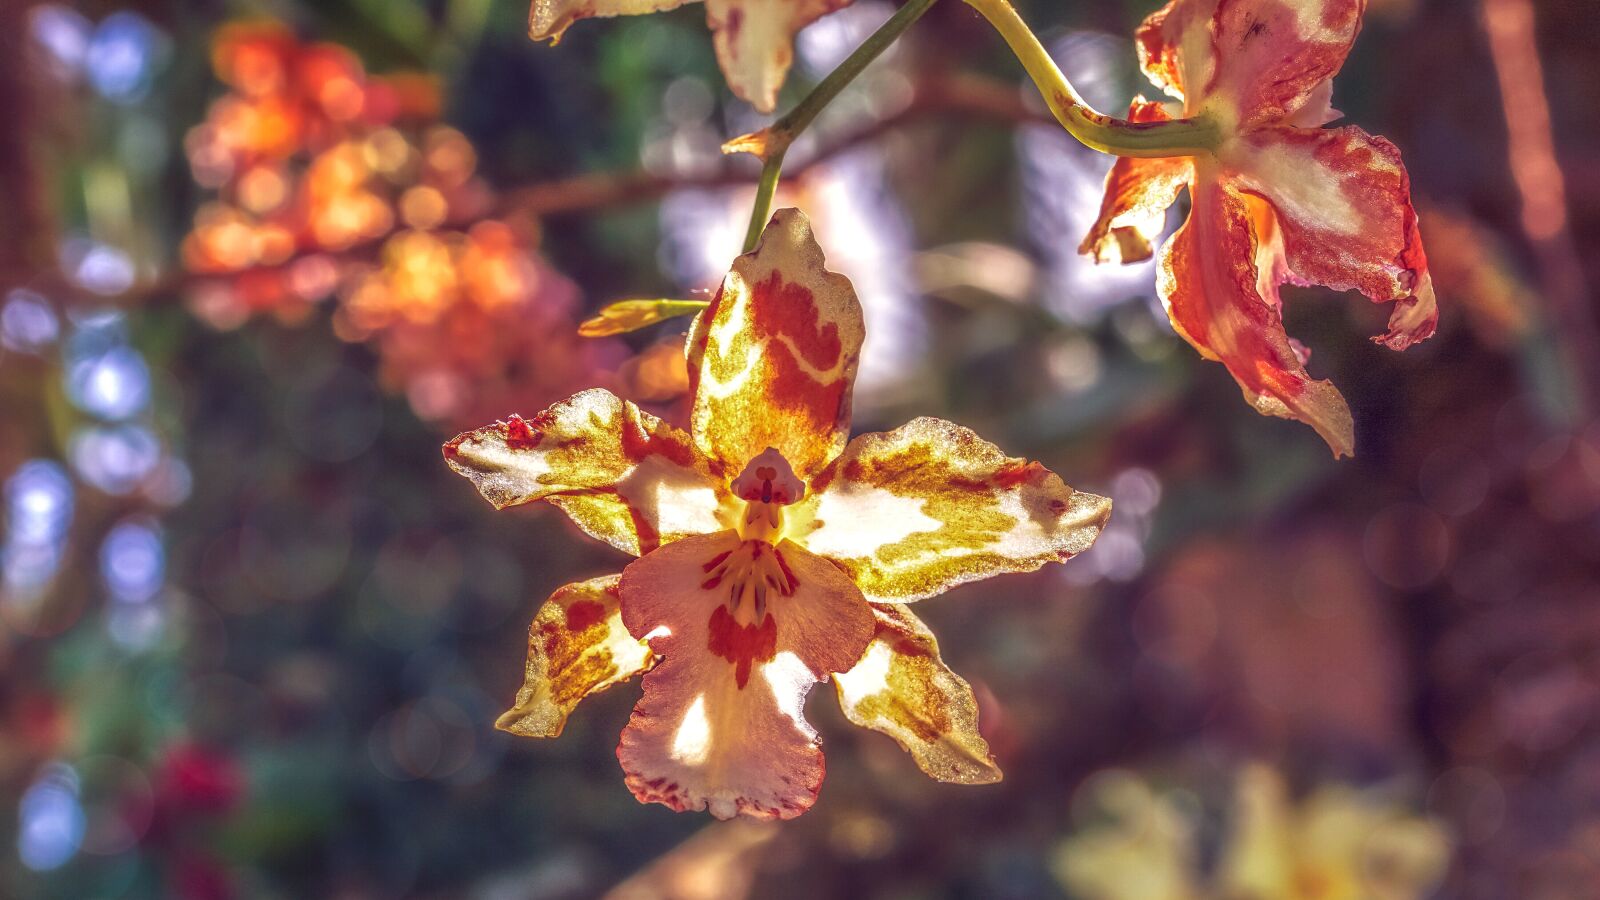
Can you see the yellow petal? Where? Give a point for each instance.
(631, 315)
(623, 475)
(547, 19)
(1144, 851)
(577, 645)
(773, 359)
(913, 512)
(902, 688)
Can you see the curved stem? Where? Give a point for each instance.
(1179, 137)
(772, 142)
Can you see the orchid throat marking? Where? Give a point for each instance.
(756, 567)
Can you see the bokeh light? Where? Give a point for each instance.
(51, 821)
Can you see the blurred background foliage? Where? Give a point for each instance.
(254, 635)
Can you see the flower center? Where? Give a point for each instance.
(742, 629)
(766, 485)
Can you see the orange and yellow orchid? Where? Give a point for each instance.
(1278, 200)
(754, 38)
(773, 551)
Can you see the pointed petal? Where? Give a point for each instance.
(1273, 54)
(547, 19)
(624, 476)
(1172, 38)
(1251, 60)
(773, 359)
(1138, 192)
(577, 646)
(721, 724)
(1141, 847)
(755, 42)
(1343, 201)
(1219, 281)
(1260, 859)
(913, 512)
(902, 688)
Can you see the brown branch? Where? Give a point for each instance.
(968, 96)
(934, 96)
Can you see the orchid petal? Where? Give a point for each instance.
(1138, 192)
(913, 512)
(773, 359)
(755, 42)
(1251, 60)
(754, 38)
(1343, 201)
(548, 19)
(624, 476)
(577, 646)
(721, 724)
(1219, 281)
(902, 688)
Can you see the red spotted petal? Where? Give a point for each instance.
(1219, 280)
(1258, 60)
(903, 689)
(1138, 192)
(623, 475)
(913, 512)
(773, 359)
(577, 646)
(1343, 201)
(721, 724)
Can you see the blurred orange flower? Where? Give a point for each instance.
(773, 552)
(333, 183)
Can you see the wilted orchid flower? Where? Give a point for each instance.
(1279, 199)
(772, 552)
(754, 38)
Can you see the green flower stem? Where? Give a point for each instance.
(773, 142)
(766, 188)
(1179, 137)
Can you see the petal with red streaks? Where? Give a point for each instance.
(1248, 60)
(577, 646)
(721, 724)
(755, 42)
(1273, 54)
(1343, 201)
(1219, 281)
(1174, 45)
(773, 358)
(903, 689)
(1138, 192)
(624, 476)
(913, 512)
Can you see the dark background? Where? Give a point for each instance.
(254, 634)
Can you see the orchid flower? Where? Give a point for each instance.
(1278, 199)
(772, 552)
(754, 38)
